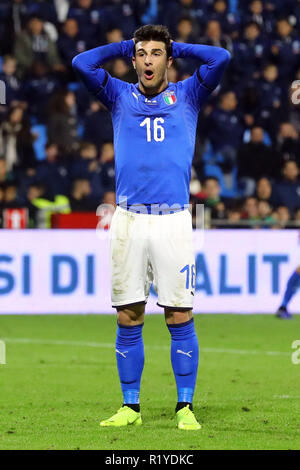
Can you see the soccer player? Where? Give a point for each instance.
(151, 231)
(291, 289)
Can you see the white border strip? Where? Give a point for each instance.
(91, 344)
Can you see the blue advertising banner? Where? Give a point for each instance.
(67, 271)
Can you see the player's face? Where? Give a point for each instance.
(151, 64)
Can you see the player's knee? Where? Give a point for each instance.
(131, 314)
(173, 315)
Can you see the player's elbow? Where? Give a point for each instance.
(78, 63)
(224, 56)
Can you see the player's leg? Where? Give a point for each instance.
(130, 352)
(184, 358)
(173, 262)
(128, 261)
(291, 289)
(130, 362)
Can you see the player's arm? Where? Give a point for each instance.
(207, 76)
(88, 65)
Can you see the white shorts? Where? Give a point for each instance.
(146, 248)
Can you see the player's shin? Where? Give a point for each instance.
(130, 361)
(184, 357)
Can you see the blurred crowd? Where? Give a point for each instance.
(56, 145)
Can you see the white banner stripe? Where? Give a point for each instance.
(91, 344)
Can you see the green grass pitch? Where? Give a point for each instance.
(60, 380)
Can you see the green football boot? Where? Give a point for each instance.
(186, 419)
(125, 416)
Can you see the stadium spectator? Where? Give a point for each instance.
(97, 124)
(282, 216)
(16, 140)
(38, 89)
(125, 14)
(256, 159)
(41, 205)
(271, 99)
(35, 44)
(80, 200)
(120, 69)
(11, 199)
(271, 90)
(91, 20)
(70, 43)
(229, 21)
(88, 166)
(171, 12)
(225, 130)
(287, 191)
(109, 198)
(265, 214)
(288, 143)
(12, 83)
(185, 33)
(297, 215)
(212, 198)
(185, 30)
(261, 14)
(63, 122)
(107, 160)
(250, 209)
(264, 190)
(54, 171)
(1, 193)
(214, 36)
(249, 54)
(285, 49)
(234, 217)
(114, 34)
(13, 17)
(5, 176)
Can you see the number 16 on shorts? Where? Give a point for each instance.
(190, 271)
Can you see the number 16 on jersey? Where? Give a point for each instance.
(158, 130)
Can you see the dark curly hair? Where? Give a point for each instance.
(154, 32)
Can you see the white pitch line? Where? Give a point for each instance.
(90, 344)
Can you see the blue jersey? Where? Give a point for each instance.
(154, 137)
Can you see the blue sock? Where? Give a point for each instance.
(291, 288)
(130, 361)
(184, 357)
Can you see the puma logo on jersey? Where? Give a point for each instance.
(121, 353)
(185, 353)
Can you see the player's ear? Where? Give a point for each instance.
(169, 62)
(133, 61)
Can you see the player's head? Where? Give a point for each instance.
(152, 55)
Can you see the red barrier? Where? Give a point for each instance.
(75, 220)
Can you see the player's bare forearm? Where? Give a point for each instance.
(88, 64)
(215, 60)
